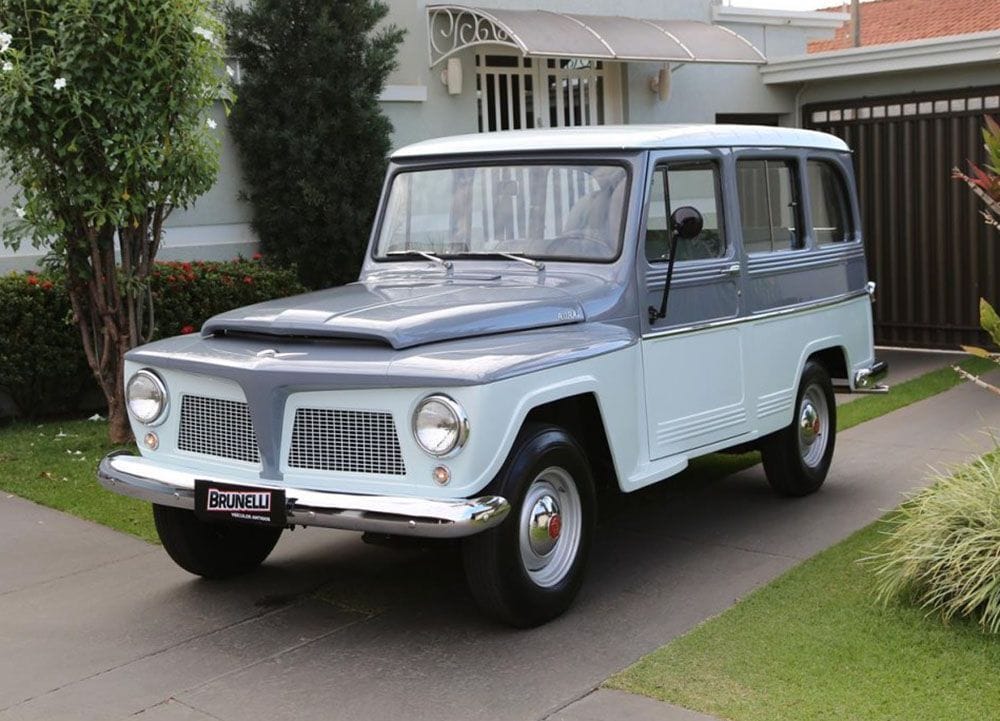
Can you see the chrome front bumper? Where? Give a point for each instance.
(395, 515)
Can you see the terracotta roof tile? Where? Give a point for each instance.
(896, 21)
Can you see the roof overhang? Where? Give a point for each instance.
(977, 48)
(812, 19)
(543, 33)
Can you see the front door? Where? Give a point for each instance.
(692, 359)
(516, 92)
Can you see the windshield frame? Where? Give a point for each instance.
(493, 160)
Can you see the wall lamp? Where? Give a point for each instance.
(451, 76)
(660, 84)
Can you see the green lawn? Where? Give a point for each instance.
(871, 406)
(55, 464)
(34, 462)
(815, 645)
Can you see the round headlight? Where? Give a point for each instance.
(440, 425)
(146, 396)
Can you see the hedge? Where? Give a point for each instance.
(42, 365)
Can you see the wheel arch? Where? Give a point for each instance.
(580, 414)
(834, 359)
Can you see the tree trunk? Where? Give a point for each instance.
(119, 430)
(101, 315)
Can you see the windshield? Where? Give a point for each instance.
(569, 212)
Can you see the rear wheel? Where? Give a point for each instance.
(212, 550)
(529, 569)
(797, 458)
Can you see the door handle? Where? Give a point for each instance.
(730, 269)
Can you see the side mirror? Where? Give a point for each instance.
(687, 222)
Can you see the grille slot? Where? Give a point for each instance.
(332, 439)
(216, 427)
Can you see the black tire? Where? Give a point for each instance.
(544, 458)
(212, 550)
(794, 466)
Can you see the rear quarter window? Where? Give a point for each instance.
(830, 210)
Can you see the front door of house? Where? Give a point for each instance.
(516, 92)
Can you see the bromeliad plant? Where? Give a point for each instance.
(105, 128)
(984, 181)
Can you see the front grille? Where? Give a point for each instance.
(216, 427)
(327, 439)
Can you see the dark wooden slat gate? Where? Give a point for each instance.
(928, 248)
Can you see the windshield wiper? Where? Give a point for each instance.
(536, 264)
(422, 254)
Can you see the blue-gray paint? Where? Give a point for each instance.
(423, 306)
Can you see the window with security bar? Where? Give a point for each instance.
(516, 93)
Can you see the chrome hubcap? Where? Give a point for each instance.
(814, 417)
(544, 525)
(550, 526)
(809, 425)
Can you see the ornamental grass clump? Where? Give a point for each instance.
(942, 550)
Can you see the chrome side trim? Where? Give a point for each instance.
(140, 478)
(788, 310)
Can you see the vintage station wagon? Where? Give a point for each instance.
(539, 313)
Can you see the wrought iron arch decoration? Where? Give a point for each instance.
(546, 33)
(453, 28)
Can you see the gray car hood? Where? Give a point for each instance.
(407, 312)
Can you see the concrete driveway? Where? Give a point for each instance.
(98, 625)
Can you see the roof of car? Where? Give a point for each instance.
(622, 137)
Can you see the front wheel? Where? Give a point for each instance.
(797, 458)
(529, 569)
(212, 550)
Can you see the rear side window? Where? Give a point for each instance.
(769, 205)
(831, 216)
(695, 184)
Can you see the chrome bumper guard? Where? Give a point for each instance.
(867, 380)
(395, 515)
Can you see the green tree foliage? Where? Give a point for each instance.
(105, 128)
(311, 135)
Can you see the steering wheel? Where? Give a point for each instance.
(583, 242)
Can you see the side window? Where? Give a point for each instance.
(769, 205)
(831, 215)
(674, 186)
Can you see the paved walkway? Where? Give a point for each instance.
(98, 625)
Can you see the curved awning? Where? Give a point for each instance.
(451, 28)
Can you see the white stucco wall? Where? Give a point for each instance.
(218, 226)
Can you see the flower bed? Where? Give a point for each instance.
(42, 365)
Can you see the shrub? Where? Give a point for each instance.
(942, 549)
(185, 295)
(42, 364)
(309, 128)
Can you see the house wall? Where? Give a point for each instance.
(697, 93)
(218, 225)
(900, 83)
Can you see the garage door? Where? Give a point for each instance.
(928, 248)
